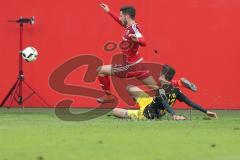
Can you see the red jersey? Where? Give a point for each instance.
(128, 46)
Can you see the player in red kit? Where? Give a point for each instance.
(132, 65)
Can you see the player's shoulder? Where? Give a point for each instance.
(136, 29)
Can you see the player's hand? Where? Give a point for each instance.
(133, 37)
(105, 7)
(178, 118)
(212, 114)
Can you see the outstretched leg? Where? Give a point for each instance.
(184, 82)
(120, 113)
(103, 76)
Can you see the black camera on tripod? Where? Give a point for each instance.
(23, 20)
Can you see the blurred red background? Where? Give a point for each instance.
(199, 38)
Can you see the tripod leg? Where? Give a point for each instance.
(9, 93)
(34, 92)
(15, 91)
(20, 97)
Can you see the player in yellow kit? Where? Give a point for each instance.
(155, 107)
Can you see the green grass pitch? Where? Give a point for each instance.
(37, 134)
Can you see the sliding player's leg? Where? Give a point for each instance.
(141, 98)
(184, 82)
(144, 101)
(150, 82)
(120, 113)
(128, 114)
(169, 73)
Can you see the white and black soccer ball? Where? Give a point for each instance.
(29, 54)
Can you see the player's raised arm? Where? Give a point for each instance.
(105, 7)
(107, 10)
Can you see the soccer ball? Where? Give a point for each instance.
(29, 54)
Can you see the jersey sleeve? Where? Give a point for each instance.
(116, 18)
(139, 35)
(182, 98)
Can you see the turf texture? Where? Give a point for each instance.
(37, 134)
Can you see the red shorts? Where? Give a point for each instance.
(136, 70)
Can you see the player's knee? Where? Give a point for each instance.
(115, 111)
(98, 70)
(119, 112)
(103, 71)
(133, 91)
(154, 87)
(130, 88)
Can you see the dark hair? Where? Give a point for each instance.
(168, 71)
(130, 10)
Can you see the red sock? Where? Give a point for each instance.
(104, 82)
(176, 83)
